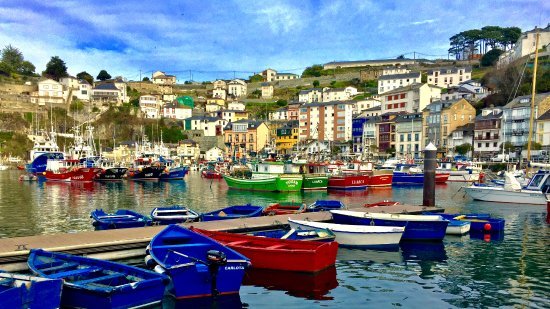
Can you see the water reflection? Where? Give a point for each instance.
(304, 285)
(225, 301)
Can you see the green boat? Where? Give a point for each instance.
(315, 182)
(278, 183)
(311, 181)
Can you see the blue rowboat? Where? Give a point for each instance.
(325, 205)
(457, 227)
(312, 234)
(121, 219)
(173, 214)
(21, 291)
(233, 212)
(478, 222)
(101, 284)
(198, 265)
(417, 227)
(174, 173)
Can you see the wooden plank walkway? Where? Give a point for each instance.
(107, 243)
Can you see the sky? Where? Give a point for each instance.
(206, 40)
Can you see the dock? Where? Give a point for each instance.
(131, 243)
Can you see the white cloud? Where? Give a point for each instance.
(425, 21)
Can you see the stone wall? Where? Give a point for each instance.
(205, 142)
(306, 82)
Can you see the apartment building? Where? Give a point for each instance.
(245, 138)
(385, 127)
(326, 121)
(461, 135)
(411, 99)
(408, 133)
(449, 77)
(516, 115)
(237, 88)
(149, 105)
(487, 133)
(364, 134)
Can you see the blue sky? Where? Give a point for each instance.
(214, 38)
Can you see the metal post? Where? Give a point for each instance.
(430, 164)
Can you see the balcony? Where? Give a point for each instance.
(516, 132)
(486, 138)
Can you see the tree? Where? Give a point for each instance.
(315, 83)
(463, 149)
(315, 70)
(12, 58)
(145, 79)
(400, 57)
(256, 78)
(282, 102)
(491, 57)
(86, 76)
(26, 68)
(534, 146)
(55, 68)
(103, 75)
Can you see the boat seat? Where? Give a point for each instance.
(182, 246)
(93, 280)
(237, 242)
(277, 246)
(76, 272)
(59, 267)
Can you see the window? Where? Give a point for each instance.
(389, 98)
(402, 96)
(409, 137)
(416, 137)
(402, 137)
(495, 145)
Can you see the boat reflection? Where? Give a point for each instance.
(423, 251)
(225, 301)
(497, 235)
(72, 186)
(304, 285)
(386, 256)
(348, 192)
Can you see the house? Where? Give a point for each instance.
(267, 91)
(408, 136)
(316, 148)
(286, 137)
(106, 93)
(461, 135)
(293, 110)
(84, 91)
(394, 81)
(269, 75)
(279, 114)
(487, 138)
(364, 63)
(411, 99)
(189, 151)
(470, 90)
(219, 93)
(373, 111)
(160, 78)
(49, 92)
(365, 104)
(441, 118)
(219, 84)
(385, 127)
(149, 106)
(210, 126)
(338, 94)
(231, 115)
(220, 102)
(543, 130)
(212, 107)
(374, 72)
(237, 88)
(449, 77)
(516, 115)
(176, 110)
(285, 76)
(236, 105)
(245, 138)
(214, 154)
(326, 121)
(310, 95)
(525, 45)
(364, 135)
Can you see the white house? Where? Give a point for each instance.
(49, 92)
(188, 150)
(392, 70)
(214, 154)
(174, 110)
(338, 94)
(236, 105)
(237, 88)
(285, 76)
(77, 88)
(525, 45)
(411, 99)
(219, 93)
(310, 95)
(219, 84)
(394, 81)
(211, 126)
(161, 78)
(365, 104)
(150, 106)
(69, 82)
(449, 77)
(269, 75)
(267, 91)
(212, 107)
(279, 114)
(317, 147)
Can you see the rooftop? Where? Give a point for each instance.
(525, 100)
(400, 76)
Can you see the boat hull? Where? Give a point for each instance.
(120, 220)
(82, 174)
(383, 180)
(400, 178)
(457, 227)
(348, 182)
(211, 175)
(177, 173)
(478, 221)
(151, 173)
(268, 253)
(315, 182)
(233, 212)
(29, 291)
(112, 174)
(271, 184)
(499, 195)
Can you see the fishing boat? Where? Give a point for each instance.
(69, 170)
(173, 214)
(460, 173)
(145, 173)
(314, 176)
(271, 183)
(411, 174)
(197, 265)
(512, 192)
(121, 219)
(233, 212)
(377, 177)
(101, 284)
(22, 291)
(325, 205)
(478, 222)
(418, 227)
(284, 208)
(111, 174)
(269, 253)
(311, 234)
(357, 235)
(348, 182)
(172, 172)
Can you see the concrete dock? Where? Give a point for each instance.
(131, 243)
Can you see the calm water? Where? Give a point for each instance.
(460, 272)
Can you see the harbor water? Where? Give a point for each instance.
(507, 270)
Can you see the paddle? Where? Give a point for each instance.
(459, 217)
(187, 256)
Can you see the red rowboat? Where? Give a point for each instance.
(384, 203)
(211, 175)
(441, 177)
(72, 174)
(348, 182)
(284, 208)
(279, 254)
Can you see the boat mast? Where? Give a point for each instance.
(533, 100)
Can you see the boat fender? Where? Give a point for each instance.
(95, 223)
(159, 269)
(487, 227)
(147, 249)
(150, 262)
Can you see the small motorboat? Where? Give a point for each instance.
(197, 265)
(382, 204)
(103, 284)
(21, 291)
(284, 208)
(312, 234)
(233, 212)
(357, 235)
(478, 222)
(210, 174)
(121, 219)
(279, 254)
(173, 214)
(418, 227)
(325, 205)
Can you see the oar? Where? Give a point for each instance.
(187, 256)
(459, 217)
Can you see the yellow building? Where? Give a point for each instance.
(441, 118)
(286, 136)
(245, 138)
(220, 102)
(189, 151)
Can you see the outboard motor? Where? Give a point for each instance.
(215, 260)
